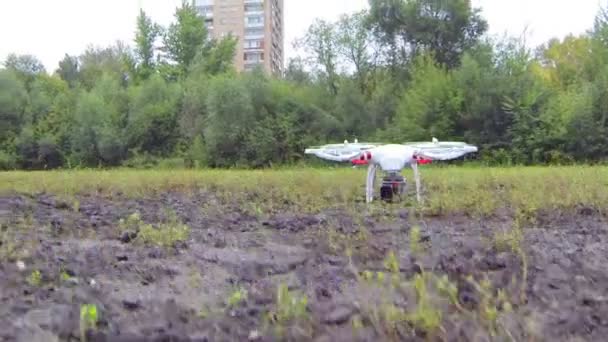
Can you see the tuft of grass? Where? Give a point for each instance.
(415, 246)
(89, 317)
(426, 315)
(35, 278)
(165, 234)
(291, 310)
(237, 296)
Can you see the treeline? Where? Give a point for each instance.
(403, 70)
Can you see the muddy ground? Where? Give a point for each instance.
(183, 293)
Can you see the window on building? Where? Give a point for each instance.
(205, 9)
(253, 57)
(254, 19)
(202, 3)
(254, 7)
(254, 44)
(254, 31)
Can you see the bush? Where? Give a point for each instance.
(7, 161)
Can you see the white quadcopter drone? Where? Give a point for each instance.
(392, 159)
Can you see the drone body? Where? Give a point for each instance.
(391, 159)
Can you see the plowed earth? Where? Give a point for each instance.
(181, 293)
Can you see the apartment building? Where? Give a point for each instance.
(258, 25)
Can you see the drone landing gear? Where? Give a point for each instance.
(393, 184)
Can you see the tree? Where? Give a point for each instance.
(145, 37)
(185, 38)
(218, 58)
(351, 109)
(321, 43)
(566, 62)
(13, 100)
(230, 118)
(442, 28)
(430, 105)
(152, 122)
(296, 73)
(24, 64)
(26, 67)
(116, 60)
(355, 46)
(68, 70)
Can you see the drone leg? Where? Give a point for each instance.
(417, 179)
(369, 184)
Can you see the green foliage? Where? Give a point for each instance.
(115, 60)
(145, 37)
(429, 106)
(68, 70)
(13, 97)
(35, 278)
(152, 120)
(320, 42)
(26, 67)
(230, 117)
(426, 316)
(415, 247)
(217, 58)
(165, 234)
(95, 139)
(443, 28)
(89, 317)
(185, 38)
(402, 70)
(7, 161)
(289, 306)
(236, 297)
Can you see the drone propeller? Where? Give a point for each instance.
(345, 152)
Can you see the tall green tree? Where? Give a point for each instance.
(430, 105)
(26, 67)
(443, 28)
(13, 102)
(116, 60)
(356, 46)
(185, 38)
(229, 120)
(68, 70)
(145, 37)
(321, 43)
(153, 117)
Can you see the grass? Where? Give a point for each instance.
(431, 298)
(478, 191)
(164, 234)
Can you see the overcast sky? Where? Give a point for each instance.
(49, 29)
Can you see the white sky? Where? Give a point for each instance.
(49, 29)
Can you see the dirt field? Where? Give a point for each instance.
(208, 270)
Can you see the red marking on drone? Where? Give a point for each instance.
(422, 160)
(363, 159)
(367, 156)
